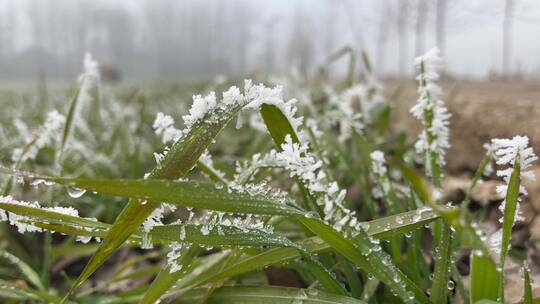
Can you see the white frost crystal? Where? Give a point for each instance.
(430, 110)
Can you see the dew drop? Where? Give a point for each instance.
(75, 192)
(450, 285)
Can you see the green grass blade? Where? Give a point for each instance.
(314, 245)
(325, 277)
(165, 279)
(247, 238)
(256, 199)
(484, 279)
(69, 120)
(460, 219)
(181, 158)
(266, 295)
(277, 124)
(476, 178)
(30, 274)
(527, 289)
(204, 267)
(193, 194)
(13, 291)
(511, 201)
(362, 253)
(442, 258)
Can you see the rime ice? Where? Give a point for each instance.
(507, 152)
(430, 110)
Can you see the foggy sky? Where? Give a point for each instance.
(189, 38)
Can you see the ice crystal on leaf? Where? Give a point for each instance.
(25, 223)
(506, 152)
(176, 251)
(155, 219)
(201, 105)
(430, 110)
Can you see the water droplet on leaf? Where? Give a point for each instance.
(75, 192)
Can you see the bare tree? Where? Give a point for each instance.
(421, 16)
(440, 26)
(507, 37)
(402, 21)
(382, 36)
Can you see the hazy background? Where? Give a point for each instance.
(188, 39)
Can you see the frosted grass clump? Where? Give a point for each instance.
(378, 162)
(346, 117)
(367, 96)
(378, 165)
(489, 152)
(430, 110)
(88, 80)
(299, 161)
(209, 108)
(48, 134)
(507, 152)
